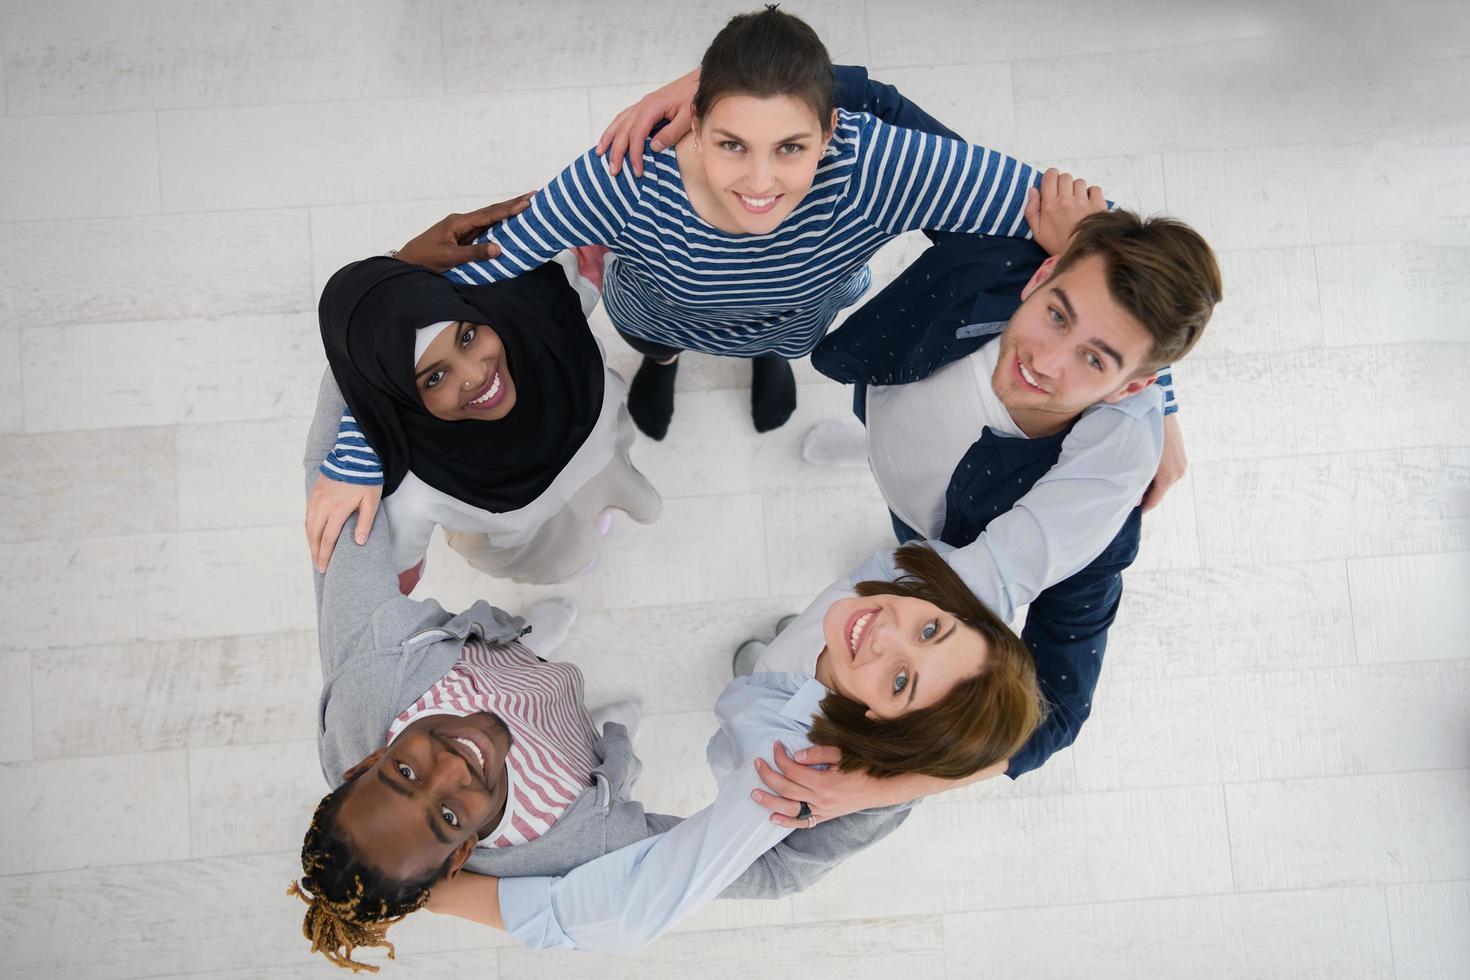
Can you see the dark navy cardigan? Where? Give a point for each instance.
(943, 307)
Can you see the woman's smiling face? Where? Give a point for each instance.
(896, 654)
(463, 375)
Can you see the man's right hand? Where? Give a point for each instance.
(451, 242)
(674, 102)
(328, 506)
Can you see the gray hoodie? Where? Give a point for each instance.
(381, 651)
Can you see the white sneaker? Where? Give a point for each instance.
(550, 620)
(626, 713)
(836, 442)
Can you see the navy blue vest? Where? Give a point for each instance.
(951, 301)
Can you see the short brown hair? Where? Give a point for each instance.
(767, 54)
(1158, 269)
(983, 720)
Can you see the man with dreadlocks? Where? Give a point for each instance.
(453, 746)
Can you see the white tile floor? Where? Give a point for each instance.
(1276, 778)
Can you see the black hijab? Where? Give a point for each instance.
(369, 312)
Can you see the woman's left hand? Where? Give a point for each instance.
(829, 792)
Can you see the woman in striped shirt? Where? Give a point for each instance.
(749, 235)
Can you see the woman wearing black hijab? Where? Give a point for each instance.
(491, 410)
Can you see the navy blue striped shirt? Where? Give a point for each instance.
(681, 282)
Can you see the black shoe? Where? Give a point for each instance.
(651, 397)
(772, 392)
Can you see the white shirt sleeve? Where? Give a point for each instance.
(1067, 519)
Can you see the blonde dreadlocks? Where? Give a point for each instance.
(350, 903)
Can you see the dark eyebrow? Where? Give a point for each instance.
(458, 327)
(400, 790)
(741, 139)
(1061, 294)
(913, 686)
(1108, 350)
(438, 830)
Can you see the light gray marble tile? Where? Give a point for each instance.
(478, 963)
(814, 539)
(238, 474)
(338, 153)
(1350, 830)
(1390, 292)
(87, 813)
(79, 484)
(1211, 621)
(156, 586)
(956, 855)
(1149, 733)
(714, 448)
(155, 54)
(1270, 307)
(10, 393)
(166, 694)
(1280, 724)
(1430, 941)
(15, 706)
(702, 549)
(1411, 607)
(681, 658)
(1344, 721)
(344, 233)
(1170, 531)
(868, 950)
(59, 167)
(1244, 199)
(171, 917)
(676, 776)
(251, 367)
(155, 267)
(1250, 404)
(987, 30)
(1311, 85)
(252, 799)
(490, 48)
(1275, 196)
(1327, 935)
(1146, 100)
(1314, 507)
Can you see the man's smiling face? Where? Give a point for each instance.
(429, 796)
(1069, 345)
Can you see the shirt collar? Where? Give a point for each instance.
(804, 704)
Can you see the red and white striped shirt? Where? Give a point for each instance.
(551, 754)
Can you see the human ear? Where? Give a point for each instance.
(1041, 275)
(460, 856)
(1132, 388)
(363, 766)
